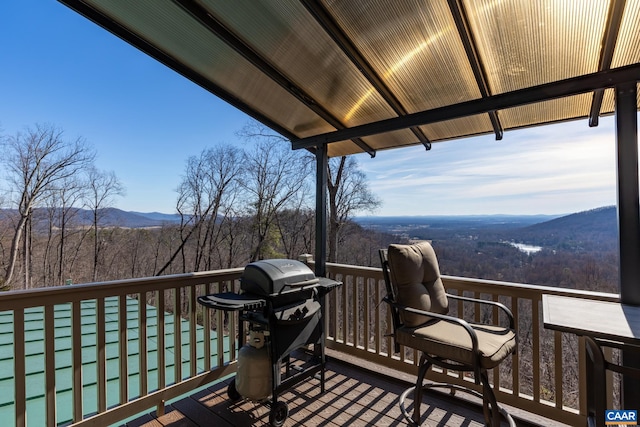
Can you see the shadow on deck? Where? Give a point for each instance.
(353, 397)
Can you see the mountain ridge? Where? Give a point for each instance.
(596, 221)
(109, 217)
(586, 231)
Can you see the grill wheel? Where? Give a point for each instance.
(278, 414)
(232, 392)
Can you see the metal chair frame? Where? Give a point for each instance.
(491, 409)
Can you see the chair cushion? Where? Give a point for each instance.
(451, 341)
(416, 279)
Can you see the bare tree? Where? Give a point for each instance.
(236, 239)
(346, 185)
(348, 194)
(35, 161)
(63, 203)
(296, 230)
(102, 188)
(5, 226)
(207, 190)
(225, 173)
(276, 176)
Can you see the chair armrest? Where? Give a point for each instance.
(499, 305)
(443, 317)
(450, 319)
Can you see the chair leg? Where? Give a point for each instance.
(417, 396)
(489, 402)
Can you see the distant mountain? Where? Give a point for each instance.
(157, 216)
(448, 227)
(599, 220)
(116, 217)
(586, 231)
(110, 217)
(455, 221)
(578, 231)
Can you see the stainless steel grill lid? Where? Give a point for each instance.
(276, 276)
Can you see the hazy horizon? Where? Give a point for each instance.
(427, 215)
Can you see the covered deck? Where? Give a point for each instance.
(339, 78)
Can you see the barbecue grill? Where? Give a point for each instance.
(282, 301)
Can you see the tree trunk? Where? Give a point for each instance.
(13, 254)
(333, 187)
(95, 245)
(27, 252)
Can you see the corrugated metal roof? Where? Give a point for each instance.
(35, 363)
(366, 75)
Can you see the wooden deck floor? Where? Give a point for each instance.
(353, 397)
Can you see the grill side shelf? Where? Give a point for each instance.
(230, 301)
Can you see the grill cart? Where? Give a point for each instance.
(282, 301)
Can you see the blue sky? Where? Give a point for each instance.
(144, 121)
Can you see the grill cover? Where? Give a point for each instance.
(272, 277)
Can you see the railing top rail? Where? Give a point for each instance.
(11, 300)
(499, 287)
(343, 267)
(490, 286)
(63, 294)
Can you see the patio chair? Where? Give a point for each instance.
(419, 307)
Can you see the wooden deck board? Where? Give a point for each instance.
(353, 397)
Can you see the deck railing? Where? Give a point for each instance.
(97, 354)
(545, 376)
(107, 326)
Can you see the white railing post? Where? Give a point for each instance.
(306, 258)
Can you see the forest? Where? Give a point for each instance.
(576, 251)
(239, 205)
(235, 205)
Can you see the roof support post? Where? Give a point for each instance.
(628, 218)
(628, 193)
(614, 19)
(322, 170)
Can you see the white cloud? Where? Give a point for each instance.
(560, 168)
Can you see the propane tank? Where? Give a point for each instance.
(253, 376)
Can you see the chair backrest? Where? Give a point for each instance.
(415, 278)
